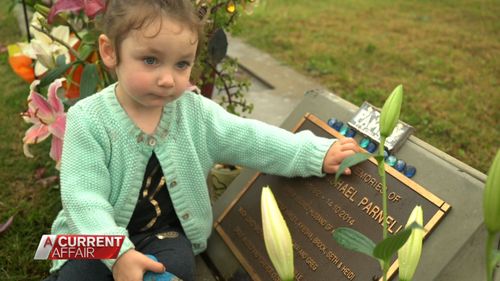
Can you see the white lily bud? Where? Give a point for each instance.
(390, 112)
(491, 198)
(409, 254)
(276, 236)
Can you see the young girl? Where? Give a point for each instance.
(136, 155)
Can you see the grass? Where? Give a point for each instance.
(445, 53)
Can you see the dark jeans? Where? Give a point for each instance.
(169, 245)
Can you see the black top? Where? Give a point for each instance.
(154, 207)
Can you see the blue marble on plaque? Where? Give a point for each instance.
(400, 165)
(371, 147)
(331, 122)
(344, 129)
(351, 133)
(410, 171)
(391, 160)
(364, 142)
(338, 125)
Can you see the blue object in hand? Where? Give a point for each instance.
(164, 276)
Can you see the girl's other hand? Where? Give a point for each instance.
(132, 265)
(340, 150)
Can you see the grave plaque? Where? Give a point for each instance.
(313, 207)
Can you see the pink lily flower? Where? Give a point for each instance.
(48, 117)
(90, 7)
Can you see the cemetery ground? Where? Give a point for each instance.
(446, 54)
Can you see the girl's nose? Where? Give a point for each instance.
(166, 80)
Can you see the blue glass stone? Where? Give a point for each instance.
(391, 160)
(371, 147)
(410, 171)
(331, 122)
(153, 276)
(386, 154)
(364, 142)
(351, 133)
(400, 165)
(338, 125)
(344, 129)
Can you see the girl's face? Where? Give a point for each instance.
(155, 64)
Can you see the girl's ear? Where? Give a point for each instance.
(107, 51)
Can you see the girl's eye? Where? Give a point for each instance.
(150, 60)
(183, 64)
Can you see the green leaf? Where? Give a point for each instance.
(354, 240)
(88, 83)
(85, 50)
(351, 161)
(217, 46)
(390, 245)
(90, 37)
(53, 74)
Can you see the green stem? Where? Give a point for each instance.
(384, 200)
(491, 258)
(384, 187)
(385, 269)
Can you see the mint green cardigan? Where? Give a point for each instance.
(105, 156)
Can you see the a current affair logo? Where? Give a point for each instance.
(81, 247)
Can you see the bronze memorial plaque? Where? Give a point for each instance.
(313, 207)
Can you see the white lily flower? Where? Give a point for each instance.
(43, 57)
(36, 20)
(44, 50)
(276, 236)
(409, 254)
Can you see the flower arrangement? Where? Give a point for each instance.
(62, 60)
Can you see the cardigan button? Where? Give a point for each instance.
(173, 184)
(185, 216)
(140, 138)
(152, 141)
(164, 133)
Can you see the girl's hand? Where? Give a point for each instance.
(132, 265)
(340, 150)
